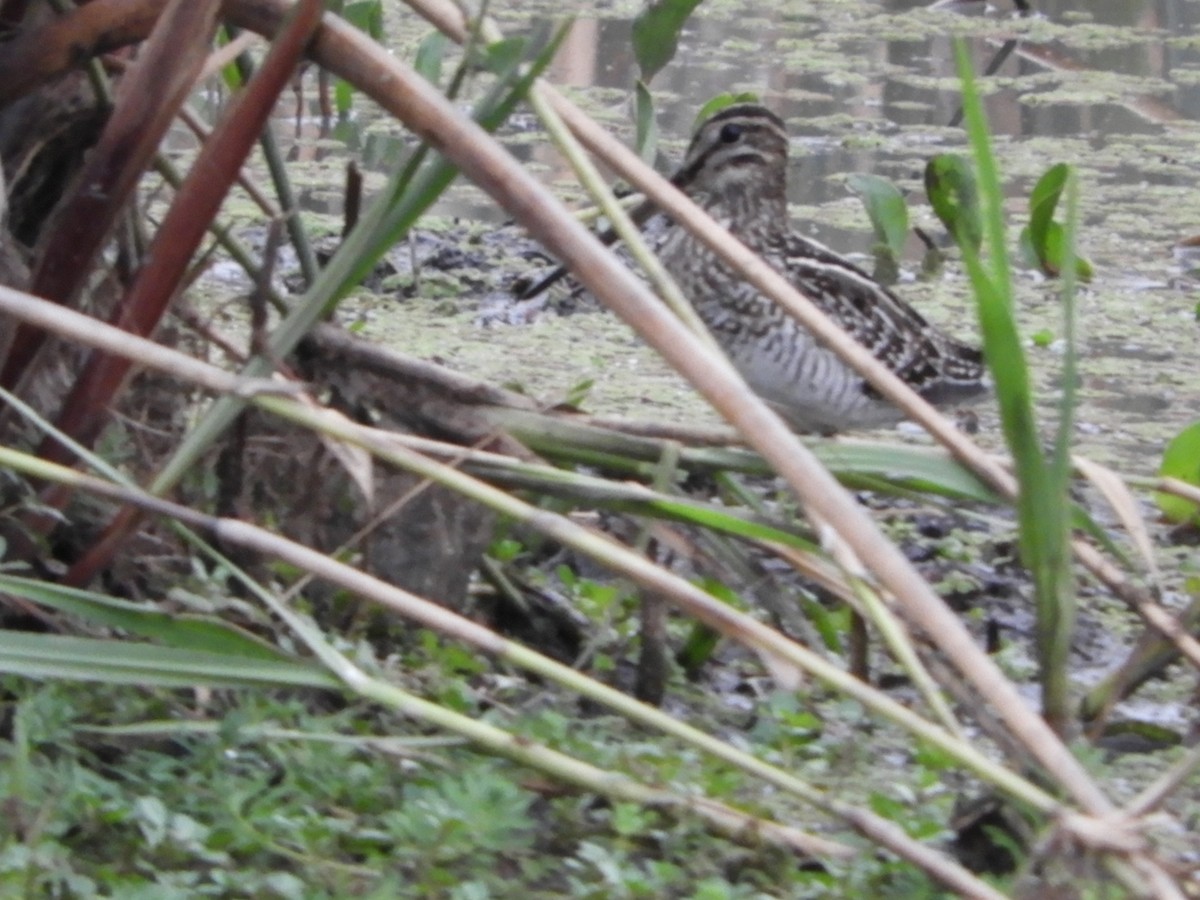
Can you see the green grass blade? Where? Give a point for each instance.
(188, 631)
(124, 662)
(914, 468)
(1057, 609)
(1042, 508)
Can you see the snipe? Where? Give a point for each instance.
(736, 169)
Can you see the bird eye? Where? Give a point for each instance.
(730, 133)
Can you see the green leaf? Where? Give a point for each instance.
(501, 57)
(830, 624)
(1043, 201)
(578, 393)
(697, 649)
(1044, 236)
(231, 74)
(430, 54)
(1043, 338)
(1181, 460)
(954, 195)
(366, 16)
(885, 207)
(187, 631)
(343, 97)
(702, 640)
(656, 34)
(124, 662)
(720, 102)
(920, 468)
(646, 138)
(888, 807)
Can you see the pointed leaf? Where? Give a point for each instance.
(886, 208)
(430, 54)
(366, 16)
(187, 631)
(920, 468)
(1181, 460)
(1044, 236)
(953, 194)
(647, 130)
(656, 34)
(500, 57)
(719, 102)
(1044, 200)
(123, 662)
(343, 97)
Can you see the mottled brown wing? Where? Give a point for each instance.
(895, 333)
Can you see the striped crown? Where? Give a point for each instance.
(741, 148)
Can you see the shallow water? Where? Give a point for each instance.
(869, 86)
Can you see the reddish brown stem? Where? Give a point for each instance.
(147, 101)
